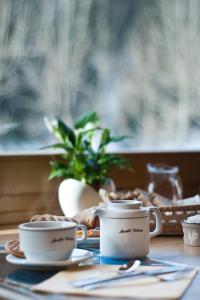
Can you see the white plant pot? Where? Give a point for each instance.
(74, 196)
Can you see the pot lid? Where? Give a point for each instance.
(126, 209)
(125, 204)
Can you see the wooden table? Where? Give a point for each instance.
(165, 248)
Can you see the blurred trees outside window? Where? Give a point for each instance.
(135, 62)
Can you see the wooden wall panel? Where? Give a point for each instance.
(25, 189)
(15, 209)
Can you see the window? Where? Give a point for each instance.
(134, 62)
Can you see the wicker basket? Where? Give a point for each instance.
(173, 216)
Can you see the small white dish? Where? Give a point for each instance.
(78, 256)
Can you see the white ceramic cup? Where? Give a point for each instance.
(49, 240)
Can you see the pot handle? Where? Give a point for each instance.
(84, 232)
(156, 212)
(99, 210)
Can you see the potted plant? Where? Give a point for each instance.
(84, 164)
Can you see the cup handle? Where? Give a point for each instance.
(84, 233)
(156, 212)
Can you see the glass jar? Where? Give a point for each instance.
(164, 180)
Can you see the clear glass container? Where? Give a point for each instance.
(164, 180)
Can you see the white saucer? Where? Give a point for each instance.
(90, 242)
(78, 255)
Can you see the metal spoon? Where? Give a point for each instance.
(131, 266)
(124, 269)
(95, 283)
(175, 276)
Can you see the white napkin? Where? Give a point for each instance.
(147, 287)
(195, 200)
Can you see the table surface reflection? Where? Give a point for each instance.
(164, 247)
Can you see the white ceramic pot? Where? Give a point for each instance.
(191, 234)
(125, 229)
(74, 196)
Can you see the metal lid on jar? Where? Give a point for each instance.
(162, 169)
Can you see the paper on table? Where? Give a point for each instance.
(147, 287)
(195, 200)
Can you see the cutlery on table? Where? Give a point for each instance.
(131, 266)
(14, 291)
(94, 283)
(174, 276)
(158, 262)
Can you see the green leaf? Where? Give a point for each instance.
(90, 117)
(57, 146)
(79, 160)
(57, 165)
(80, 141)
(64, 131)
(119, 161)
(92, 163)
(59, 169)
(104, 159)
(118, 138)
(58, 173)
(105, 138)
